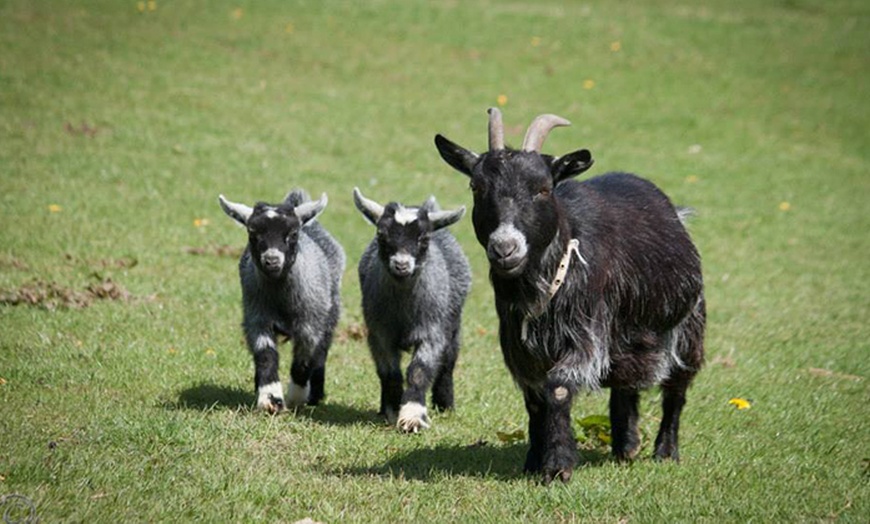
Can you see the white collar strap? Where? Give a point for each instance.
(556, 284)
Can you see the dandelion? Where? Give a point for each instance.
(615, 46)
(740, 403)
(691, 179)
(536, 41)
(784, 206)
(54, 208)
(140, 6)
(237, 13)
(152, 5)
(210, 352)
(289, 28)
(200, 222)
(502, 100)
(172, 351)
(588, 84)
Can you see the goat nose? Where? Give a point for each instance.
(271, 260)
(505, 248)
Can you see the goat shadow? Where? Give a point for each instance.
(207, 397)
(499, 462)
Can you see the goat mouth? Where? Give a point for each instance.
(508, 267)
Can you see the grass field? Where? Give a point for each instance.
(120, 122)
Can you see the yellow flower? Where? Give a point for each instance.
(502, 100)
(784, 206)
(2, 381)
(588, 84)
(237, 13)
(740, 403)
(210, 352)
(200, 222)
(536, 41)
(691, 179)
(54, 208)
(172, 351)
(289, 28)
(615, 46)
(140, 6)
(152, 5)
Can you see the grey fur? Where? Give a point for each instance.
(303, 303)
(420, 312)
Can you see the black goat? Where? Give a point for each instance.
(597, 284)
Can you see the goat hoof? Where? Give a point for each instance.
(563, 475)
(273, 405)
(413, 418)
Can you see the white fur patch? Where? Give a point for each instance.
(273, 253)
(264, 342)
(297, 395)
(508, 232)
(560, 393)
(399, 259)
(406, 215)
(271, 213)
(265, 395)
(413, 418)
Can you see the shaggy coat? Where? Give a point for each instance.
(626, 313)
(290, 275)
(414, 280)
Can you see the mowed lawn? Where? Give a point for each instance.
(126, 390)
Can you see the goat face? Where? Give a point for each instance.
(273, 231)
(273, 236)
(515, 214)
(403, 232)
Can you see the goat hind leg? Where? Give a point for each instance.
(623, 423)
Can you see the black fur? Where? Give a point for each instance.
(629, 315)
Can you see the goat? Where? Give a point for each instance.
(597, 284)
(290, 274)
(414, 279)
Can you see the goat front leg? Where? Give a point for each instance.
(413, 416)
(537, 410)
(560, 449)
(270, 394)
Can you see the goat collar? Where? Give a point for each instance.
(555, 285)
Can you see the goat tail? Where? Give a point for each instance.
(684, 213)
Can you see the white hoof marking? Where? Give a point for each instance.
(297, 395)
(270, 397)
(413, 418)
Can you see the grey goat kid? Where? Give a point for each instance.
(291, 277)
(597, 284)
(414, 279)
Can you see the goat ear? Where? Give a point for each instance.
(369, 208)
(441, 219)
(570, 165)
(308, 211)
(238, 212)
(458, 157)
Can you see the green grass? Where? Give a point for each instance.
(139, 410)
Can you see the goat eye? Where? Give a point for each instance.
(544, 192)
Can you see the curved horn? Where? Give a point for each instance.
(496, 130)
(539, 129)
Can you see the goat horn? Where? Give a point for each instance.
(496, 130)
(539, 129)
